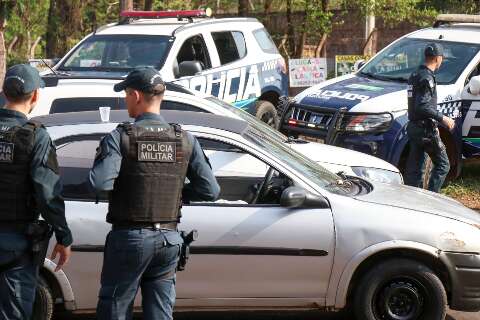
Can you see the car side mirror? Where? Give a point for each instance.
(474, 86)
(358, 64)
(296, 197)
(189, 68)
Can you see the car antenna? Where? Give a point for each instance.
(51, 69)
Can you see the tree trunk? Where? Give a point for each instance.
(32, 48)
(139, 5)
(290, 29)
(126, 5)
(242, 8)
(267, 9)
(303, 38)
(3, 53)
(52, 29)
(64, 26)
(148, 5)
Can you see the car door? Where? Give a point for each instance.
(257, 253)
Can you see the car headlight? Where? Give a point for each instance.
(380, 175)
(378, 122)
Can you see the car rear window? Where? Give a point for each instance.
(230, 46)
(265, 41)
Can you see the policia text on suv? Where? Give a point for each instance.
(29, 186)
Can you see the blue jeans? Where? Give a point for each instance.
(416, 161)
(136, 258)
(17, 285)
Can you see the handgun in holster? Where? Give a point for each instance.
(39, 233)
(431, 139)
(188, 238)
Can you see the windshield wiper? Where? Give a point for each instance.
(383, 77)
(372, 75)
(400, 79)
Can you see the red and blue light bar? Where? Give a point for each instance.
(201, 13)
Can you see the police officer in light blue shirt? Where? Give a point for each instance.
(143, 165)
(29, 186)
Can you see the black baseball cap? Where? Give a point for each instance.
(433, 49)
(144, 79)
(21, 79)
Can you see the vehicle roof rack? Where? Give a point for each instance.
(444, 19)
(129, 16)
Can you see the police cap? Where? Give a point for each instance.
(145, 79)
(433, 49)
(21, 79)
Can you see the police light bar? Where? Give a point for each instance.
(456, 18)
(202, 13)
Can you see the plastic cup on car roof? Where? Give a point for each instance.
(104, 113)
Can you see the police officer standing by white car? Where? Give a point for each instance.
(144, 165)
(29, 186)
(422, 127)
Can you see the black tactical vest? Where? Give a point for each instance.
(152, 174)
(16, 188)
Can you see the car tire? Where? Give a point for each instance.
(400, 289)
(267, 113)
(43, 305)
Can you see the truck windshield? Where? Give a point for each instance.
(398, 61)
(118, 53)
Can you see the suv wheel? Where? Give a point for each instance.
(43, 306)
(400, 289)
(267, 113)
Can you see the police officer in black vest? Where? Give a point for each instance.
(422, 128)
(29, 186)
(144, 165)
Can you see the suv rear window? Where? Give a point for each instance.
(265, 41)
(230, 46)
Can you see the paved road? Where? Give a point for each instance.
(269, 316)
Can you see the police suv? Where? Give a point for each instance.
(233, 59)
(367, 111)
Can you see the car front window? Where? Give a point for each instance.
(398, 61)
(118, 53)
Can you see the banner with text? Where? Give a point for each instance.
(347, 64)
(307, 72)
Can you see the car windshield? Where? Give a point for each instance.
(252, 121)
(312, 170)
(398, 61)
(118, 53)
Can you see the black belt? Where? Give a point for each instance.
(143, 225)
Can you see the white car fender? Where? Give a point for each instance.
(63, 283)
(339, 298)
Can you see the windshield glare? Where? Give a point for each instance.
(118, 53)
(313, 171)
(402, 58)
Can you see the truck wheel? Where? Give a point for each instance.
(400, 289)
(43, 306)
(267, 113)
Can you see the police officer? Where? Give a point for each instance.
(144, 165)
(29, 185)
(422, 128)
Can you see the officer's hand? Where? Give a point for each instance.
(64, 252)
(448, 122)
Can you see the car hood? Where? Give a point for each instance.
(402, 196)
(356, 92)
(319, 152)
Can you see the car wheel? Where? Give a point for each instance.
(267, 113)
(400, 289)
(43, 306)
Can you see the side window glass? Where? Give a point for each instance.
(240, 175)
(75, 160)
(230, 46)
(265, 41)
(63, 105)
(193, 49)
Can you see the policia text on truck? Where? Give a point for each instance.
(29, 187)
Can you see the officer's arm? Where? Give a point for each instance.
(427, 108)
(48, 188)
(203, 185)
(106, 166)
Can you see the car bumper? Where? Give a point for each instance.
(464, 271)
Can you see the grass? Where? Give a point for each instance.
(466, 188)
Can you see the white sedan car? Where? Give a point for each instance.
(84, 95)
(290, 235)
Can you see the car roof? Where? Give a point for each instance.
(466, 33)
(118, 116)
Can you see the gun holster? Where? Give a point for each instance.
(39, 233)
(431, 140)
(188, 238)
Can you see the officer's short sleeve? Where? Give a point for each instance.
(50, 159)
